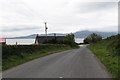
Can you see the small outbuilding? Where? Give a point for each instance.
(43, 39)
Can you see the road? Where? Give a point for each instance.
(77, 63)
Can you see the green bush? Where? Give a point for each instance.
(114, 46)
(93, 38)
(69, 40)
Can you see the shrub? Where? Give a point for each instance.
(114, 46)
(93, 38)
(69, 40)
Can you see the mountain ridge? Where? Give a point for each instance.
(78, 34)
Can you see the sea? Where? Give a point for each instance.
(31, 41)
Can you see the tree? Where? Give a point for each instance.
(93, 38)
(69, 40)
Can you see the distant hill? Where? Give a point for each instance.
(84, 34)
(33, 36)
(78, 34)
(52, 34)
(25, 37)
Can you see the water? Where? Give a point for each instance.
(79, 40)
(20, 41)
(31, 41)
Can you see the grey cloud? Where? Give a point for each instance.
(18, 28)
(18, 7)
(96, 6)
(67, 16)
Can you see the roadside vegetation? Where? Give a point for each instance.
(108, 51)
(93, 38)
(13, 55)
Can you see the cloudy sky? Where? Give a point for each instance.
(25, 17)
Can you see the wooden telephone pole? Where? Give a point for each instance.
(46, 29)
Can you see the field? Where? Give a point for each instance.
(107, 51)
(14, 55)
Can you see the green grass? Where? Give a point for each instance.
(16, 55)
(106, 51)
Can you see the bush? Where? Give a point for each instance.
(69, 40)
(114, 46)
(93, 38)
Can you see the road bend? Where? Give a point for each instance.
(76, 63)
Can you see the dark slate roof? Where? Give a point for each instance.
(42, 39)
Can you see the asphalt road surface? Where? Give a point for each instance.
(77, 63)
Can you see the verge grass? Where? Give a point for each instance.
(106, 51)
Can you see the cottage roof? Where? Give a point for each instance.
(42, 39)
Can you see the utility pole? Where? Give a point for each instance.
(46, 29)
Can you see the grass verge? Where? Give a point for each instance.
(103, 50)
(16, 55)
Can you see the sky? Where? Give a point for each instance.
(25, 17)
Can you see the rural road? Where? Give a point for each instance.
(77, 63)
